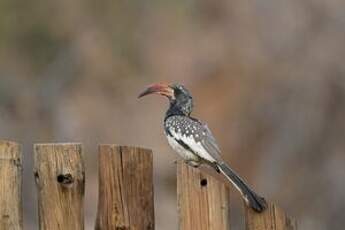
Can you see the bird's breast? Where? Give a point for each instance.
(184, 152)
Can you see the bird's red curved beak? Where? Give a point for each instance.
(161, 89)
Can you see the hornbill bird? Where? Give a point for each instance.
(193, 140)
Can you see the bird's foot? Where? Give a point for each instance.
(193, 164)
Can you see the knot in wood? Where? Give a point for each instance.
(65, 179)
(203, 182)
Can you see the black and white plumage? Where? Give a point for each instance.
(189, 138)
(194, 142)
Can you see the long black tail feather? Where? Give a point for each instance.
(256, 202)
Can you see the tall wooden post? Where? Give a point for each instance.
(203, 201)
(60, 180)
(10, 186)
(125, 189)
(272, 218)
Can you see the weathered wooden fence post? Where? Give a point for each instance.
(60, 180)
(125, 189)
(203, 201)
(10, 186)
(273, 219)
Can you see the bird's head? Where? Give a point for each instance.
(181, 101)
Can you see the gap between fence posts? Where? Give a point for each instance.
(125, 188)
(11, 213)
(60, 180)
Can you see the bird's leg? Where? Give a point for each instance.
(193, 163)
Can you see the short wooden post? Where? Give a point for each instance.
(273, 219)
(10, 186)
(125, 189)
(60, 180)
(203, 201)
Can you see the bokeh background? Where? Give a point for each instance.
(267, 76)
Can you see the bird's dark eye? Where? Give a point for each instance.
(178, 91)
(181, 92)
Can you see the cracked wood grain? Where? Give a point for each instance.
(125, 189)
(60, 181)
(203, 201)
(11, 216)
(273, 218)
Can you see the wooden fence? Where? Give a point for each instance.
(125, 199)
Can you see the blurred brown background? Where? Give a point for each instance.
(267, 76)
